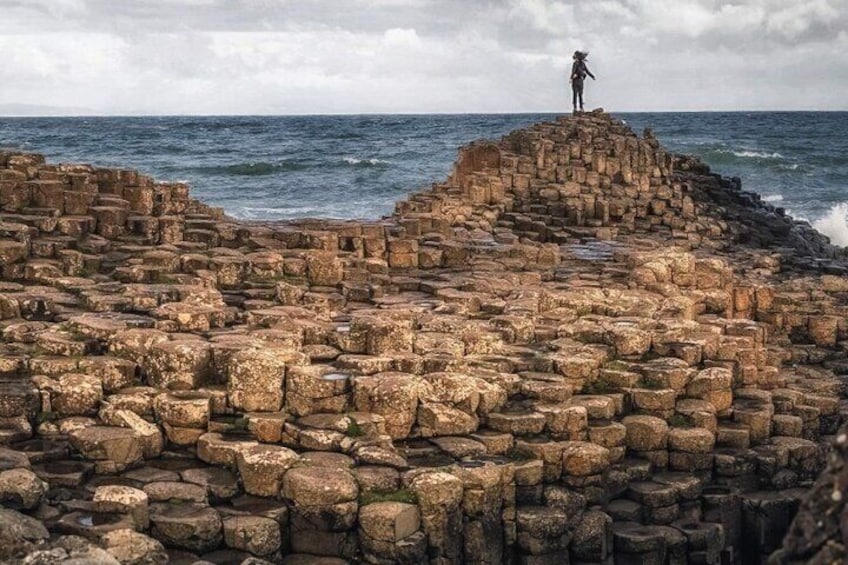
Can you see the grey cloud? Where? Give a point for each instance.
(419, 55)
(247, 15)
(187, 55)
(519, 20)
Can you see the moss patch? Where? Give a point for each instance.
(599, 386)
(517, 455)
(353, 428)
(617, 366)
(402, 495)
(651, 385)
(46, 417)
(681, 421)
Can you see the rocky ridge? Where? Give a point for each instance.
(579, 348)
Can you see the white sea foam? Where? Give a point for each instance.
(270, 213)
(772, 198)
(355, 161)
(262, 209)
(758, 154)
(339, 210)
(834, 224)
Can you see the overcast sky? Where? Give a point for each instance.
(420, 56)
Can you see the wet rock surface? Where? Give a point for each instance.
(579, 348)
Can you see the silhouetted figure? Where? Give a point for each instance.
(579, 70)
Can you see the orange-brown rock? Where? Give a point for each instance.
(578, 348)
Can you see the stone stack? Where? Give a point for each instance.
(578, 348)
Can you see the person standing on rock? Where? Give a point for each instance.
(579, 70)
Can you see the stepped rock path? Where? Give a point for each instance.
(580, 348)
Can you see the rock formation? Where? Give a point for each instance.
(819, 533)
(579, 348)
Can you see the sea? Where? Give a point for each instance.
(285, 167)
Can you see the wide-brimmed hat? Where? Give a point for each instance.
(581, 54)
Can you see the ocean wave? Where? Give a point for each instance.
(748, 159)
(834, 224)
(365, 162)
(336, 210)
(773, 198)
(758, 154)
(734, 155)
(252, 169)
(260, 212)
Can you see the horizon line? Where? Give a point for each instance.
(449, 113)
(358, 114)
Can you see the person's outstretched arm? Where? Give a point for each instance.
(588, 72)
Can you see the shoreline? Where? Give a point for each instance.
(287, 167)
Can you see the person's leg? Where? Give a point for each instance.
(581, 96)
(574, 95)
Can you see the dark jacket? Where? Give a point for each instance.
(579, 70)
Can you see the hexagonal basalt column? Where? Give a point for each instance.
(324, 508)
(389, 533)
(258, 535)
(262, 468)
(112, 449)
(191, 526)
(255, 379)
(179, 365)
(393, 395)
(315, 389)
